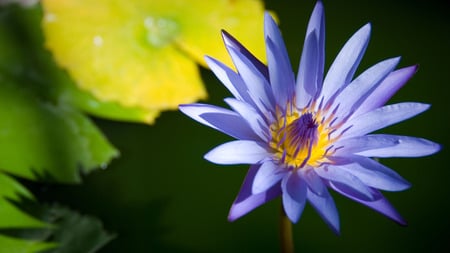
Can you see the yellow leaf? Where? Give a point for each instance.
(144, 54)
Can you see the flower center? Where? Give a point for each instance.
(301, 138)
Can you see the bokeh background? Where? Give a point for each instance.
(160, 195)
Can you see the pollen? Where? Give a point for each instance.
(302, 137)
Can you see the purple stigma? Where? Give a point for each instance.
(303, 135)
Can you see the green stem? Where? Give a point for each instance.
(287, 244)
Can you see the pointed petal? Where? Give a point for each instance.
(230, 79)
(385, 145)
(390, 85)
(326, 208)
(280, 69)
(308, 76)
(374, 174)
(245, 201)
(383, 117)
(231, 124)
(251, 116)
(343, 179)
(311, 67)
(359, 89)
(314, 182)
(231, 42)
(221, 119)
(294, 195)
(344, 66)
(316, 24)
(272, 32)
(380, 205)
(238, 152)
(195, 110)
(317, 20)
(257, 86)
(268, 175)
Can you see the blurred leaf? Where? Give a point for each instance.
(39, 140)
(23, 56)
(142, 54)
(9, 245)
(12, 217)
(42, 136)
(24, 3)
(52, 228)
(74, 232)
(84, 100)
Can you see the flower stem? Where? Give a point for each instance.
(287, 244)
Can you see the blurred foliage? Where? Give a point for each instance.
(42, 137)
(66, 231)
(144, 54)
(41, 140)
(72, 232)
(11, 217)
(10, 244)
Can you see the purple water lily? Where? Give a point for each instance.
(307, 134)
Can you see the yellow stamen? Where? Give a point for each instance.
(301, 137)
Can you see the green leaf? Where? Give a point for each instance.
(52, 228)
(41, 135)
(74, 232)
(40, 140)
(11, 217)
(10, 244)
(85, 101)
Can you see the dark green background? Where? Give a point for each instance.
(161, 196)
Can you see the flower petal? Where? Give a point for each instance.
(272, 32)
(343, 179)
(257, 85)
(359, 89)
(245, 201)
(253, 118)
(326, 208)
(385, 145)
(317, 24)
(311, 67)
(280, 69)
(294, 195)
(231, 42)
(374, 174)
(221, 119)
(381, 205)
(390, 85)
(238, 152)
(314, 182)
(232, 125)
(344, 66)
(308, 76)
(383, 117)
(268, 175)
(230, 79)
